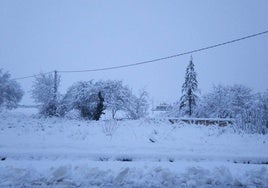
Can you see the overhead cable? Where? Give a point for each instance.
(168, 57)
(154, 60)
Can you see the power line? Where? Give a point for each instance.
(157, 59)
(169, 57)
(20, 78)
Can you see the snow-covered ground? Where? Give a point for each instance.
(62, 152)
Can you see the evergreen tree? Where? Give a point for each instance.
(189, 90)
(100, 108)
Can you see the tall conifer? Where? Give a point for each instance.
(189, 90)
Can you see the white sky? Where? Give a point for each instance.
(49, 35)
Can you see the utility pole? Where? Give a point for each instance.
(55, 91)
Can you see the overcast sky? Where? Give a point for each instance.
(47, 35)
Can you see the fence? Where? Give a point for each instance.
(203, 121)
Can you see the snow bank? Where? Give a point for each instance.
(110, 174)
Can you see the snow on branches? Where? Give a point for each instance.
(10, 91)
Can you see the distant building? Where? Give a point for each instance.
(161, 109)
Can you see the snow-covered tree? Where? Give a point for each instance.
(45, 93)
(82, 96)
(215, 104)
(91, 98)
(189, 97)
(256, 117)
(225, 102)
(238, 102)
(138, 106)
(119, 97)
(10, 91)
(115, 94)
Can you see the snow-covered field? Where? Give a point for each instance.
(57, 152)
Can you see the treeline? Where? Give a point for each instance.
(93, 98)
(90, 98)
(248, 109)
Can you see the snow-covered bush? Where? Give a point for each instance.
(45, 93)
(249, 110)
(119, 97)
(10, 91)
(256, 117)
(79, 96)
(109, 127)
(225, 101)
(137, 106)
(116, 95)
(83, 96)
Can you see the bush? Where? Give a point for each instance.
(238, 102)
(82, 96)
